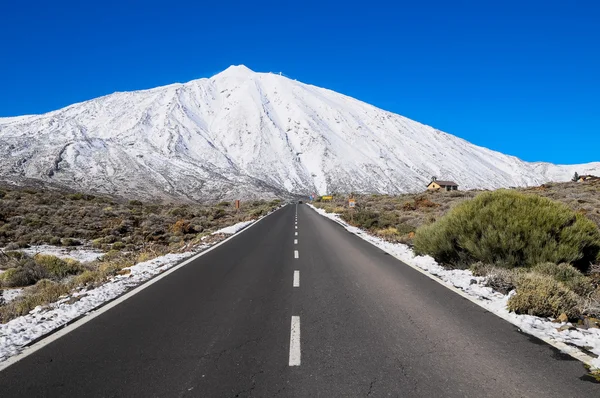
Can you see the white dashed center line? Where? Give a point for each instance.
(296, 255)
(295, 241)
(295, 342)
(296, 234)
(296, 278)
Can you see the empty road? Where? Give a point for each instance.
(296, 306)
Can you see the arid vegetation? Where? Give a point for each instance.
(128, 232)
(544, 242)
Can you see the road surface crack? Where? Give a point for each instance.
(371, 387)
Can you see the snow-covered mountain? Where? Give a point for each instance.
(242, 134)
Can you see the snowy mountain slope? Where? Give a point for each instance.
(246, 134)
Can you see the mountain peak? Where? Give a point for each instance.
(237, 70)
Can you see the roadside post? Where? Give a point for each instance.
(237, 205)
(352, 205)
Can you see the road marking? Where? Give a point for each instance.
(28, 350)
(296, 278)
(295, 241)
(296, 226)
(295, 342)
(296, 254)
(296, 234)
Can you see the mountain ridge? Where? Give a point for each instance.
(242, 134)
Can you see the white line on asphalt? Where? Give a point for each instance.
(295, 342)
(296, 254)
(295, 241)
(296, 278)
(296, 226)
(296, 234)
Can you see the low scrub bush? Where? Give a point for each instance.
(89, 278)
(502, 280)
(24, 275)
(182, 227)
(58, 268)
(366, 219)
(389, 233)
(568, 275)
(43, 292)
(542, 295)
(510, 229)
(69, 242)
(118, 246)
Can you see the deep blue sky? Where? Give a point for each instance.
(521, 77)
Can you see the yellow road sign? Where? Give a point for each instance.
(326, 197)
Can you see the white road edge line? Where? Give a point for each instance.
(94, 313)
(296, 254)
(296, 278)
(295, 342)
(563, 347)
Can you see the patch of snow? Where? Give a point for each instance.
(10, 294)
(233, 229)
(491, 300)
(83, 255)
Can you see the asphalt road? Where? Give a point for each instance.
(367, 325)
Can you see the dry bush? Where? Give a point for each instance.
(24, 275)
(568, 275)
(43, 292)
(57, 268)
(502, 280)
(542, 295)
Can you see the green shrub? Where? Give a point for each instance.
(405, 229)
(218, 213)
(69, 242)
(366, 219)
(510, 229)
(258, 212)
(58, 268)
(118, 246)
(54, 241)
(27, 273)
(568, 275)
(89, 277)
(542, 295)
